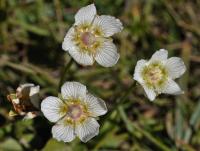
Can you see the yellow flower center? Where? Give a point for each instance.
(87, 38)
(155, 75)
(75, 111)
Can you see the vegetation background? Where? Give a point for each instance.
(31, 33)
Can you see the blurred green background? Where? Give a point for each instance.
(31, 34)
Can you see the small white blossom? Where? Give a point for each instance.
(157, 75)
(74, 113)
(25, 101)
(89, 38)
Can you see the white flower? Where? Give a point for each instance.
(89, 38)
(74, 113)
(157, 75)
(25, 101)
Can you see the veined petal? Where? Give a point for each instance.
(50, 107)
(73, 90)
(172, 87)
(68, 43)
(150, 93)
(160, 55)
(107, 55)
(63, 132)
(85, 14)
(87, 130)
(95, 105)
(138, 69)
(108, 24)
(175, 66)
(81, 57)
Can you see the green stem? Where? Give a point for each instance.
(29, 69)
(152, 139)
(65, 69)
(131, 127)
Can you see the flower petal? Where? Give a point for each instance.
(68, 43)
(138, 69)
(50, 107)
(25, 86)
(95, 105)
(87, 130)
(24, 90)
(73, 90)
(108, 24)
(175, 66)
(31, 115)
(160, 55)
(85, 14)
(34, 96)
(81, 57)
(107, 55)
(150, 93)
(172, 87)
(63, 132)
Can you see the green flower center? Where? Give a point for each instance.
(155, 75)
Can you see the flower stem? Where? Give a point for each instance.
(64, 72)
(132, 127)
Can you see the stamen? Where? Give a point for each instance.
(77, 111)
(154, 75)
(86, 37)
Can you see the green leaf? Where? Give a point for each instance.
(10, 145)
(194, 123)
(195, 118)
(54, 145)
